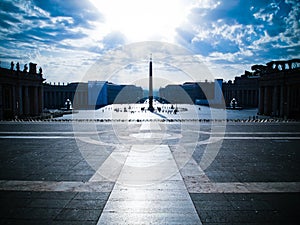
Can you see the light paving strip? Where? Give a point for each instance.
(245, 187)
(149, 126)
(173, 184)
(259, 133)
(61, 186)
(225, 138)
(149, 189)
(146, 190)
(111, 167)
(260, 138)
(36, 137)
(48, 132)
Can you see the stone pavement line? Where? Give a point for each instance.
(148, 126)
(145, 126)
(111, 167)
(149, 189)
(193, 175)
(151, 201)
(57, 186)
(245, 187)
(36, 137)
(192, 185)
(145, 136)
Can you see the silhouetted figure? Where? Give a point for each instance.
(18, 66)
(40, 70)
(32, 68)
(25, 68)
(12, 65)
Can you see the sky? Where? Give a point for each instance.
(66, 38)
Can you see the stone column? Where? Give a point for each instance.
(46, 99)
(52, 99)
(58, 100)
(41, 99)
(250, 99)
(261, 100)
(281, 101)
(244, 93)
(64, 97)
(20, 100)
(256, 97)
(55, 99)
(14, 101)
(1, 103)
(26, 100)
(35, 101)
(275, 101)
(287, 102)
(266, 101)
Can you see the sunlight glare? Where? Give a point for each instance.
(140, 20)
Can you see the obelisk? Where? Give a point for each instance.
(150, 108)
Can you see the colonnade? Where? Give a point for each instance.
(245, 98)
(20, 100)
(279, 100)
(55, 99)
(280, 94)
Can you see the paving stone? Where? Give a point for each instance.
(57, 195)
(78, 215)
(213, 205)
(144, 204)
(60, 222)
(92, 195)
(48, 203)
(257, 208)
(86, 204)
(148, 218)
(34, 213)
(26, 222)
(257, 162)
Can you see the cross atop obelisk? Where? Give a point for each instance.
(150, 108)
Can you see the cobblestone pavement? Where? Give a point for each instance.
(149, 173)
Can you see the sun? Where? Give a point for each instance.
(140, 20)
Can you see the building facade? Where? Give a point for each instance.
(203, 93)
(279, 88)
(124, 94)
(101, 93)
(55, 95)
(97, 94)
(21, 91)
(91, 95)
(244, 89)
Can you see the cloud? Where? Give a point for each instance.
(67, 37)
(113, 40)
(48, 32)
(83, 12)
(241, 32)
(129, 64)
